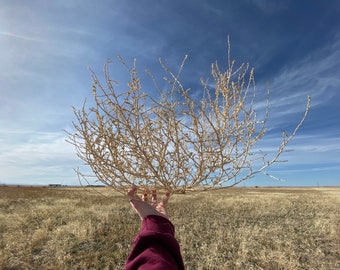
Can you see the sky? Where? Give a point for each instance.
(46, 48)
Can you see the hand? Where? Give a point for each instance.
(143, 208)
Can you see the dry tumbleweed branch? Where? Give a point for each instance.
(175, 142)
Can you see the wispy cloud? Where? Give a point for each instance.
(16, 36)
(35, 155)
(315, 75)
(312, 151)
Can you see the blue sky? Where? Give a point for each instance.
(46, 47)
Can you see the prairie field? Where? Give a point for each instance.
(235, 228)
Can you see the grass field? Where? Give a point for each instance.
(239, 228)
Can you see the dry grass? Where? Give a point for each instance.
(239, 228)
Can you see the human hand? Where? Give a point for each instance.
(143, 208)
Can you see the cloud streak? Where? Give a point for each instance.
(40, 156)
(28, 38)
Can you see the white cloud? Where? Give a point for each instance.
(316, 76)
(314, 151)
(28, 156)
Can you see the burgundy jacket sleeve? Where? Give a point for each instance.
(155, 247)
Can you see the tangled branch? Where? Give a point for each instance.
(176, 142)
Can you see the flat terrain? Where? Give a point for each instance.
(238, 228)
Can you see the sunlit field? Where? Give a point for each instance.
(239, 228)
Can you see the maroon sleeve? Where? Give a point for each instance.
(155, 247)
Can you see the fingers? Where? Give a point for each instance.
(132, 192)
(166, 198)
(143, 208)
(154, 198)
(161, 207)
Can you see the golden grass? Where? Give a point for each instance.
(237, 228)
